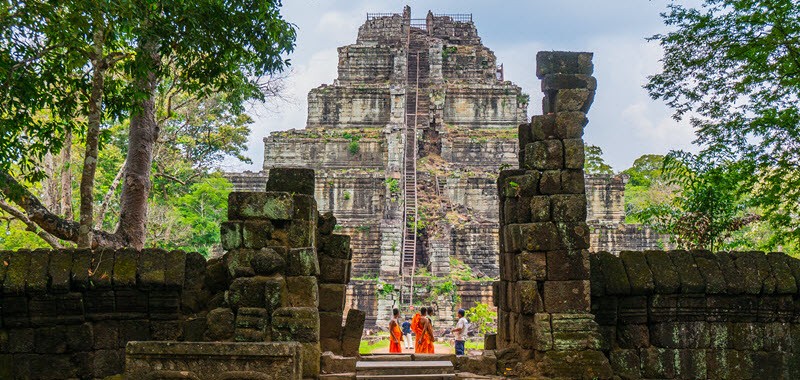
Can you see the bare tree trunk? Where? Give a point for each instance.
(101, 214)
(50, 191)
(92, 140)
(66, 178)
(142, 136)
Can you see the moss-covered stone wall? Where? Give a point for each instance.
(69, 313)
(698, 315)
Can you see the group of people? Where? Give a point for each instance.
(422, 327)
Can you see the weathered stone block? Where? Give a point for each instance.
(256, 234)
(311, 359)
(633, 336)
(266, 262)
(521, 185)
(291, 180)
(733, 279)
(544, 155)
(337, 246)
(568, 81)
(300, 324)
(534, 332)
(691, 279)
(680, 335)
(220, 324)
(330, 325)
(174, 269)
(151, 268)
(326, 223)
(301, 234)
(585, 364)
(784, 280)
(550, 182)
(568, 207)
(751, 267)
(59, 271)
(729, 364)
(543, 127)
(197, 360)
(574, 332)
(332, 297)
(573, 154)
(302, 291)
(354, 326)
(711, 272)
(568, 265)
(540, 209)
(573, 182)
(614, 275)
(260, 205)
(337, 271)
(633, 310)
(230, 235)
(16, 272)
(570, 125)
(251, 325)
(563, 62)
(36, 279)
(530, 301)
(665, 279)
(531, 237)
(573, 100)
(531, 266)
(247, 292)
(302, 262)
(573, 235)
(125, 268)
(626, 363)
(567, 296)
(502, 180)
(639, 275)
(659, 363)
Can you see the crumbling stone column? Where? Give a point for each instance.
(543, 296)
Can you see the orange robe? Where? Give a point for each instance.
(424, 333)
(394, 344)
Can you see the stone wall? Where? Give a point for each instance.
(70, 313)
(698, 315)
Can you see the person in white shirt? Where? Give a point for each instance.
(460, 332)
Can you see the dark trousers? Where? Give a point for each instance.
(459, 347)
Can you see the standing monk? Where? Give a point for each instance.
(395, 335)
(424, 344)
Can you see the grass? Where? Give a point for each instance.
(366, 348)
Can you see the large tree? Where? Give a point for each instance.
(733, 67)
(197, 48)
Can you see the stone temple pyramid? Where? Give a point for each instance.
(406, 145)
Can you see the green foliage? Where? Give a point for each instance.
(708, 206)
(595, 164)
(385, 289)
(523, 99)
(647, 186)
(446, 288)
(203, 208)
(346, 195)
(482, 317)
(363, 228)
(353, 148)
(447, 51)
(732, 66)
(394, 185)
(14, 236)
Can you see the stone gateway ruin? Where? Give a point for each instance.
(274, 305)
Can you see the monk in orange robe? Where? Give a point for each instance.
(424, 331)
(395, 335)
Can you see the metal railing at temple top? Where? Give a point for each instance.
(459, 17)
(372, 16)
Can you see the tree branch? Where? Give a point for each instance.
(32, 227)
(53, 224)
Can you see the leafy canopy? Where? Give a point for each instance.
(733, 67)
(595, 164)
(707, 207)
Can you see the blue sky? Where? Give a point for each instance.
(624, 121)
